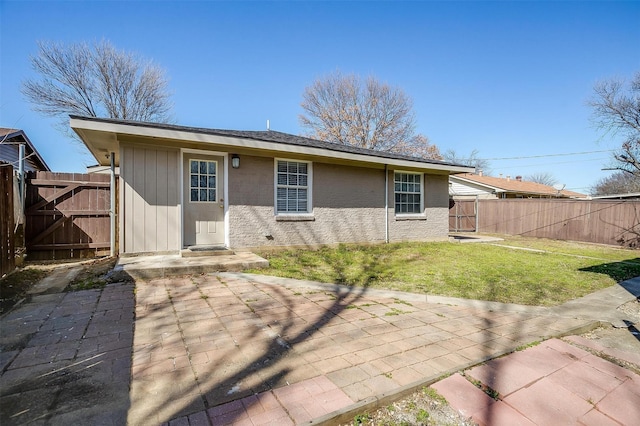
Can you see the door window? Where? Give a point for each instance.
(203, 182)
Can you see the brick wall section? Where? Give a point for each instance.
(348, 206)
(435, 226)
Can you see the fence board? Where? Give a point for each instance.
(615, 222)
(67, 215)
(7, 225)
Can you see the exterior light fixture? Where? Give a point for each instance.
(235, 161)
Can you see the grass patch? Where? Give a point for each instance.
(527, 346)
(87, 284)
(433, 394)
(495, 272)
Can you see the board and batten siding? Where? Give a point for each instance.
(150, 182)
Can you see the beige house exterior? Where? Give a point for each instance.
(182, 187)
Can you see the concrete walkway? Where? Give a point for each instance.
(234, 348)
(66, 358)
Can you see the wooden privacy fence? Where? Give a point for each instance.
(7, 226)
(614, 222)
(462, 215)
(67, 215)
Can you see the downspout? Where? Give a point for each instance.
(21, 187)
(386, 204)
(112, 206)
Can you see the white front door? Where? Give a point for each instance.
(203, 203)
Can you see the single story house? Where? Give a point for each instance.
(472, 186)
(182, 186)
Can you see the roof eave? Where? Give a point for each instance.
(109, 143)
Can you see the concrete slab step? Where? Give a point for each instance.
(149, 267)
(201, 252)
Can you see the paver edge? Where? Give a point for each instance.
(346, 414)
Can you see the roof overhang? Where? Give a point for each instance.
(103, 138)
(490, 188)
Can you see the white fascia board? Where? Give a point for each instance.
(473, 182)
(235, 142)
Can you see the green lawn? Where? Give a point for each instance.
(475, 271)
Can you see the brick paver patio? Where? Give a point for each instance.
(244, 349)
(551, 383)
(205, 341)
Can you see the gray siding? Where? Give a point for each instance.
(150, 199)
(9, 152)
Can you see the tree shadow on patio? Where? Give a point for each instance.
(262, 329)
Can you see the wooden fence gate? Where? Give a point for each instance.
(67, 215)
(462, 215)
(7, 237)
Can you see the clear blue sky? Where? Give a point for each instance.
(510, 79)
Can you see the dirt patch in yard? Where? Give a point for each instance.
(15, 287)
(423, 407)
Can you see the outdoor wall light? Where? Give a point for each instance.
(235, 161)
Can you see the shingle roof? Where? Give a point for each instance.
(4, 131)
(272, 136)
(518, 186)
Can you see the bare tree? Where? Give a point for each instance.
(348, 110)
(97, 81)
(617, 183)
(472, 160)
(544, 178)
(616, 111)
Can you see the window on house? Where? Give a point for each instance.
(408, 193)
(292, 186)
(203, 183)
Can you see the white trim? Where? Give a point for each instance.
(422, 213)
(233, 143)
(225, 203)
(181, 184)
(386, 204)
(309, 211)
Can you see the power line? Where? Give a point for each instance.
(546, 155)
(548, 164)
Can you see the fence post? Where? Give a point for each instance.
(475, 210)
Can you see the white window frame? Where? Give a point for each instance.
(216, 176)
(407, 214)
(309, 188)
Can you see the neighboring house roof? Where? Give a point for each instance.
(99, 134)
(631, 195)
(10, 139)
(516, 186)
